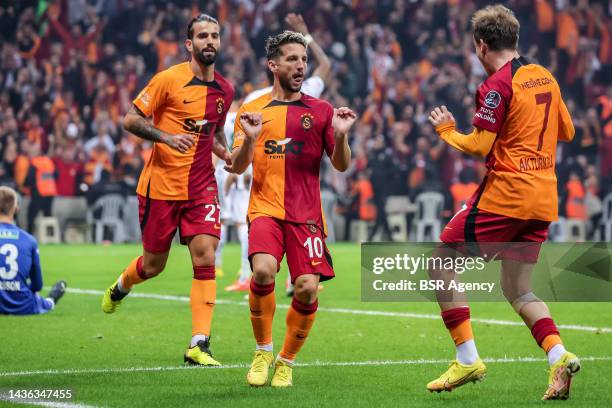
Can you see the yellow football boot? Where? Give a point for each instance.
(200, 355)
(282, 375)
(258, 373)
(560, 377)
(457, 375)
(112, 298)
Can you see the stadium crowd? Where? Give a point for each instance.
(69, 70)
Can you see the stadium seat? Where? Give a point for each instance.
(108, 211)
(606, 218)
(556, 231)
(575, 230)
(428, 216)
(48, 230)
(131, 220)
(397, 207)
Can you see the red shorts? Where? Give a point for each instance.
(303, 243)
(159, 220)
(522, 238)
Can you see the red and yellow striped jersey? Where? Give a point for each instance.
(181, 103)
(287, 158)
(522, 104)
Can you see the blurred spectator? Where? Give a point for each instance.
(40, 182)
(68, 74)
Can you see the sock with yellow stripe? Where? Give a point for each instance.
(457, 321)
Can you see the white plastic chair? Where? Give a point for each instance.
(111, 207)
(428, 216)
(606, 218)
(48, 230)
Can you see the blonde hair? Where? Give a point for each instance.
(8, 200)
(497, 27)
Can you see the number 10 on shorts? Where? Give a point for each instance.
(314, 246)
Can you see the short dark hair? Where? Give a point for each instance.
(497, 27)
(274, 42)
(198, 19)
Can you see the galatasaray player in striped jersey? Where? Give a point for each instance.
(519, 118)
(285, 134)
(188, 103)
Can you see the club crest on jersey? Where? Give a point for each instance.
(493, 99)
(220, 105)
(312, 228)
(307, 119)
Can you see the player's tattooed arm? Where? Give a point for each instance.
(136, 122)
(343, 120)
(251, 124)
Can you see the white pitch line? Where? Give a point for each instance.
(45, 403)
(504, 360)
(350, 311)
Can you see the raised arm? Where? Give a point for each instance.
(477, 143)
(343, 120)
(296, 22)
(247, 129)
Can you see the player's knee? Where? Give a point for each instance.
(264, 270)
(150, 269)
(203, 256)
(264, 274)
(306, 290)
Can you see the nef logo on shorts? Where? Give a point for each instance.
(307, 119)
(279, 148)
(493, 99)
(220, 105)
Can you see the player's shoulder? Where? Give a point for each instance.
(257, 103)
(18, 235)
(225, 85)
(317, 103)
(529, 74)
(498, 86)
(175, 73)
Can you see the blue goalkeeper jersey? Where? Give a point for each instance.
(20, 274)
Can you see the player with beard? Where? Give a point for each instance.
(188, 104)
(284, 135)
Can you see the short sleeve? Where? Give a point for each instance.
(313, 86)
(329, 139)
(153, 95)
(238, 131)
(226, 107)
(491, 107)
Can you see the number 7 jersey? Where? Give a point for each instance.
(522, 104)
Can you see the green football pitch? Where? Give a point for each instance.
(358, 354)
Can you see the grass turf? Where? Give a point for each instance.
(154, 333)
